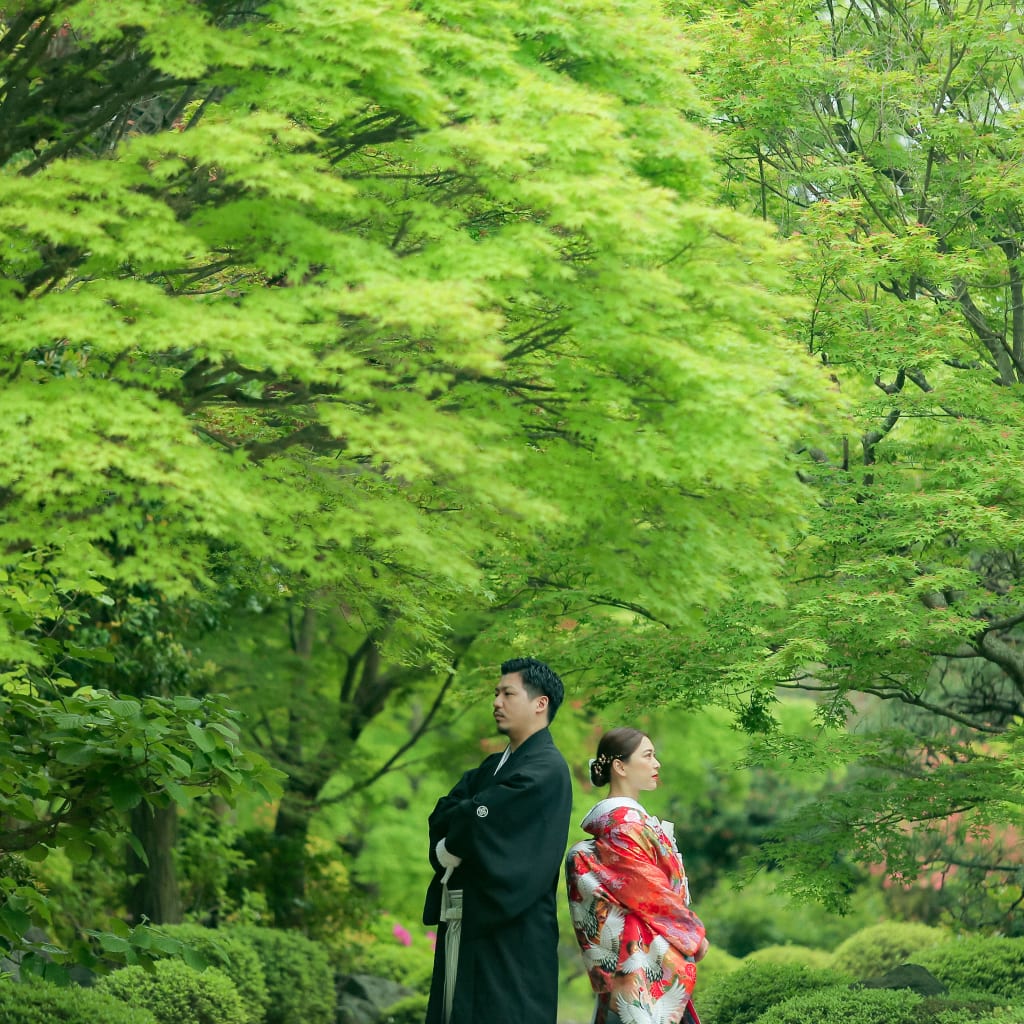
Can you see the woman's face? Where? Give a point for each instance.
(641, 768)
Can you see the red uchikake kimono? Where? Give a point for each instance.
(629, 901)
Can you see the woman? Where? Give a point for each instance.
(628, 895)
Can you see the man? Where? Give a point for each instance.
(496, 845)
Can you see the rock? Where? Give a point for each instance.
(911, 976)
(362, 998)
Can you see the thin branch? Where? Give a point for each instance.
(407, 745)
(914, 701)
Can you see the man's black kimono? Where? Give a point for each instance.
(510, 830)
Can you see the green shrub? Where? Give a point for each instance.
(715, 965)
(874, 951)
(411, 1010)
(235, 957)
(844, 1005)
(742, 920)
(855, 1005)
(177, 994)
(955, 1008)
(987, 965)
(743, 995)
(1013, 1014)
(40, 1002)
(300, 982)
(816, 958)
(412, 967)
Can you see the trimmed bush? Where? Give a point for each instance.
(383, 958)
(757, 915)
(715, 965)
(1005, 1015)
(300, 982)
(986, 965)
(848, 1006)
(855, 1005)
(41, 1002)
(235, 957)
(819, 959)
(960, 1007)
(411, 1010)
(744, 995)
(873, 951)
(177, 994)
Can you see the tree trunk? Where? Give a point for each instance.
(156, 895)
(286, 891)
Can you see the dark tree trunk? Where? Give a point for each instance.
(286, 894)
(286, 891)
(156, 895)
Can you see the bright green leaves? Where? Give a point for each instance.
(86, 758)
(415, 313)
(454, 240)
(885, 140)
(72, 768)
(143, 945)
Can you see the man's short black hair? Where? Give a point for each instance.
(538, 680)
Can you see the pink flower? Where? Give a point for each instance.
(432, 938)
(402, 935)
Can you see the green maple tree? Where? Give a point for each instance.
(409, 310)
(884, 139)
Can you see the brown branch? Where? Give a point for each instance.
(979, 865)
(313, 435)
(353, 662)
(117, 99)
(897, 385)
(872, 437)
(914, 701)
(355, 787)
(993, 340)
(1002, 654)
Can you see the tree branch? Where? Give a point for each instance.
(407, 745)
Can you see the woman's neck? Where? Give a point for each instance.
(619, 790)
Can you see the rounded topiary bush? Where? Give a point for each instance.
(744, 995)
(40, 1002)
(1013, 1014)
(845, 1005)
(177, 994)
(300, 982)
(985, 965)
(873, 951)
(957, 1007)
(409, 966)
(799, 955)
(715, 965)
(235, 957)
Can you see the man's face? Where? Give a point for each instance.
(517, 714)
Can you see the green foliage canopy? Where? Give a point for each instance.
(362, 292)
(405, 308)
(887, 139)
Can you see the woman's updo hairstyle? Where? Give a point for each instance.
(615, 745)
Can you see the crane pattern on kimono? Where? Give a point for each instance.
(628, 898)
(651, 962)
(604, 952)
(584, 911)
(665, 1010)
